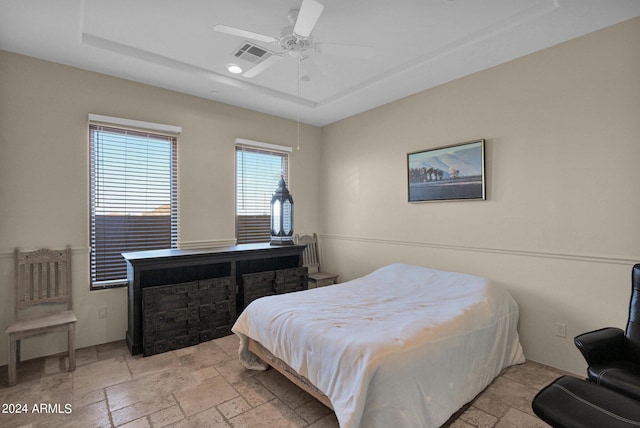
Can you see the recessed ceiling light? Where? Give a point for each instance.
(234, 68)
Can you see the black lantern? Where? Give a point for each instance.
(281, 215)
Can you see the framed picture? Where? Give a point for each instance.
(451, 173)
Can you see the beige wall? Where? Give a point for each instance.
(560, 226)
(44, 170)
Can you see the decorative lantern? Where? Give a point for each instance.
(281, 215)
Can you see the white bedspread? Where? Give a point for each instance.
(404, 346)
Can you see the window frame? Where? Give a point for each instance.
(134, 130)
(283, 152)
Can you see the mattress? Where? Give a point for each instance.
(403, 346)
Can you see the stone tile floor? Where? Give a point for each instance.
(205, 386)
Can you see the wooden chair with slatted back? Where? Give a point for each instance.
(311, 259)
(42, 285)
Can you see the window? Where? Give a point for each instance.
(258, 171)
(133, 198)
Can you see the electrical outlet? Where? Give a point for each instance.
(102, 312)
(561, 329)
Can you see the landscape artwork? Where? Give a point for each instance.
(447, 173)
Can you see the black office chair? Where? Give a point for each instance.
(613, 355)
(611, 396)
(569, 402)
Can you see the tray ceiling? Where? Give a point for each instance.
(418, 44)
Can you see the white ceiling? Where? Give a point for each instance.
(418, 44)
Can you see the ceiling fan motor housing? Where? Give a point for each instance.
(292, 43)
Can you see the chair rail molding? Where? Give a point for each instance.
(593, 258)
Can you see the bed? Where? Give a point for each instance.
(403, 346)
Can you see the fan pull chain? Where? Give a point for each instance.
(298, 104)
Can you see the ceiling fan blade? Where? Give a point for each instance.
(339, 49)
(262, 66)
(307, 17)
(244, 33)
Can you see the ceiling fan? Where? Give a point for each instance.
(296, 39)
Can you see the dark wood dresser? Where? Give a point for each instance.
(179, 298)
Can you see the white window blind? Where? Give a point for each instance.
(133, 198)
(258, 172)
